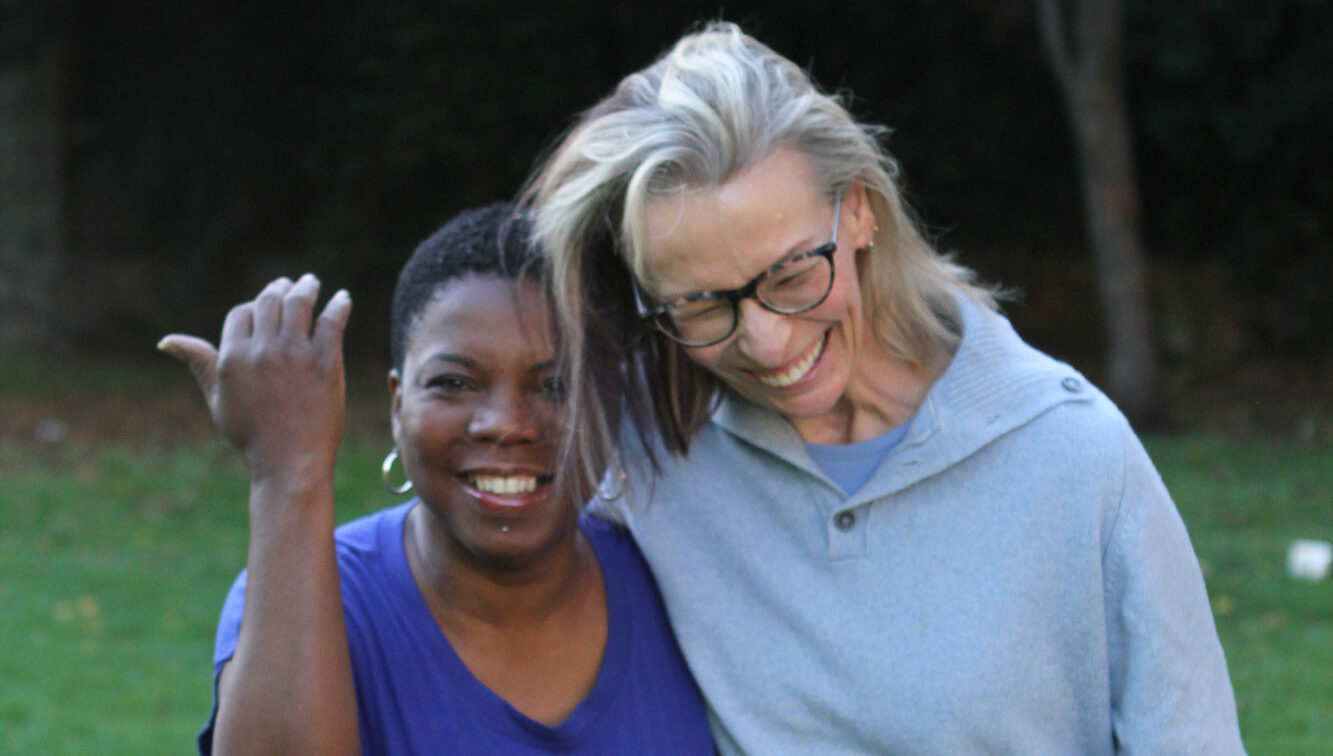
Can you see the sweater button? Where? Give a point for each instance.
(845, 520)
(1072, 385)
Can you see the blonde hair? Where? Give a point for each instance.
(714, 105)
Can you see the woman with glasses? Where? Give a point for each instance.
(880, 521)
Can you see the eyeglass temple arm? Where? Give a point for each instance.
(837, 215)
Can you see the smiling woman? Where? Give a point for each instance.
(881, 522)
(475, 417)
(483, 616)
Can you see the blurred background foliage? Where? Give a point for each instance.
(207, 146)
(160, 161)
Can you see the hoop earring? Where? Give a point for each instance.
(616, 475)
(386, 468)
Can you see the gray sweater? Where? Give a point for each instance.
(1014, 578)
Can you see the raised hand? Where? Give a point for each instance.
(275, 385)
(275, 388)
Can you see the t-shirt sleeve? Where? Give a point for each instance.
(229, 629)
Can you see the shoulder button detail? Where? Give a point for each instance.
(1072, 385)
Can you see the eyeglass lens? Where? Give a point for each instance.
(795, 286)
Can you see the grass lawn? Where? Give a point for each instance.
(1244, 503)
(113, 565)
(114, 559)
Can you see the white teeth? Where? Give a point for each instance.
(504, 486)
(795, 372)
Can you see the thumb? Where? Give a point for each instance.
(198, 355)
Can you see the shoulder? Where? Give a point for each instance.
(611, 541)
(1087, 421)
(358, 543)
(369, 537)
(365, 528)
(624, 568)
(1008, 405)
(997, 381)
(372, 567)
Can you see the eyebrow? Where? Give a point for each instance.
(469, 362)
(450, 357)
(796, 249)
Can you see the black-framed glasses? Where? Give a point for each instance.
(790, 286)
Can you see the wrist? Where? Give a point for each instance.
(290, 492)
(290, 473)
(291, 484)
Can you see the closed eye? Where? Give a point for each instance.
(791, 276)
(787, 278)
(699, 308)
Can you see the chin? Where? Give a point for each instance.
(808, 409)
(809, 404)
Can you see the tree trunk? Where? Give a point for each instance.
(31, 196)
(1111, 202)
(1086, 59)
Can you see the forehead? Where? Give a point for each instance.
(484, 316)
(721, 237)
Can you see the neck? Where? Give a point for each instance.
(534, 633)
(884, 392)
(463, 589)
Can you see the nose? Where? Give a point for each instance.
(505, 418)
(761, 334)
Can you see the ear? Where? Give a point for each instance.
(395, 401)
(863, 224)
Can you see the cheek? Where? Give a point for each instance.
(549, 419)
(424, 431)
(552, 420)
(844, 300)
(710, 356)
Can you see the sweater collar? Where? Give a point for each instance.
(994, 383)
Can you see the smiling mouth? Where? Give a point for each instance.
(798, 369)
(507, 485)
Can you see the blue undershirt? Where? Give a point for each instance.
(851, 465)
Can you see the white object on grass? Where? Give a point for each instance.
(1309, 560)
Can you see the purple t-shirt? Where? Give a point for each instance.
(415, 696)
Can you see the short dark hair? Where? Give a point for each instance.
(494, 240)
